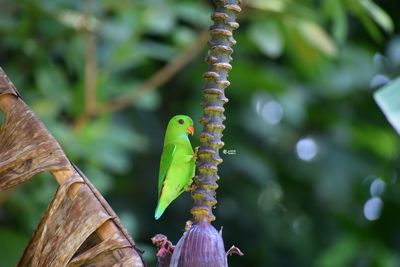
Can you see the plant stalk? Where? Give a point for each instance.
(216, 81)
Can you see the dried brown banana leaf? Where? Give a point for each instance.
(79, 228)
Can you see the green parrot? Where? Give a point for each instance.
(177, 165)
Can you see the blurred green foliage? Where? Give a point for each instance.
(311, 145)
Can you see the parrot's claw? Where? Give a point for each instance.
(189, 187)
(196, 150)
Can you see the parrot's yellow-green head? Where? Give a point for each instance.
(179, 125)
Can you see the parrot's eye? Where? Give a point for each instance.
(181, 121)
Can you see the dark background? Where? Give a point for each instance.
(314, 181)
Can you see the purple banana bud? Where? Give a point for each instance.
(200, 246)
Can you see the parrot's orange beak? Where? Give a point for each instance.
(190, 130)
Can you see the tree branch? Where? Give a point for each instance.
(160, 77)
(90, 74)
(154, 82)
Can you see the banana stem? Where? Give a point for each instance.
(216, 81)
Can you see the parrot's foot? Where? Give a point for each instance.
(189, 187)
(196, 150)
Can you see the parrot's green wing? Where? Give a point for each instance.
(166, 160)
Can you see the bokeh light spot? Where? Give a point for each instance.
(373, 208)
(379, 80)
(269, 109)
(377, 187)
(306, 149)
(270, 197)
(301, 225)
(272, 112)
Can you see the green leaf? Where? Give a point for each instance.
(271, 5)
(378, 14)
(183, 36)
(336, 11)
(100, 178)
(379, 140)
(165, 21)
(388, 99)
(358, 8)
(149, 101)
(194, 13)
(78, 20)
(268, 38)
(342, 253)
(316, 36)
(52, 83)
(156, 50)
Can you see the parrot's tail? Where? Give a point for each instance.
(159, 210)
